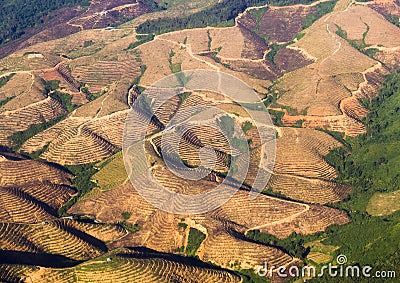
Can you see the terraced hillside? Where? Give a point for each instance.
(68, 86)
(128, 265)
(227, 225)
(31, 191)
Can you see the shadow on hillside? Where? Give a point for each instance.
(146, 253)
(39, 259)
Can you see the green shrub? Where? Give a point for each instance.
(194, 241)
(82, 182)
(126, 215)
(6, 79)
(321, 9)
(18, 138)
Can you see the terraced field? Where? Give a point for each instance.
(65, 94)
(70, 20)
(129, 265)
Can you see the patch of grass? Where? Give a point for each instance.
(209, 42)
(5, 101)
(276, 117)
(341, 32)
(90, 96)
(133, 228)
(82, 182)
(6, 79)
(249, 276)
(20, 137)
(275, 48)
(360, 45)
(257, 14)
(126, 215)
(300, 35)
(140, 40)
(293, 245)
(136, 80)
(227, 124)
(247, 126)
(51, 89)
(50, 86)
(371, 52)
(36, 154)
(175, 67)
(112, 172)
(194, 241)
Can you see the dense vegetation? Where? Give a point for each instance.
(393, 19)
(5, 101)
(195, 239)
(221, 14)
(18, 15)
(51, 89)
(369, 163)
(374, 162)
(372, 165)
(64, 99)
(3, 81)
(175, 67)
(322, 9)
(275, 48)
(140, 40)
